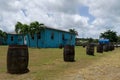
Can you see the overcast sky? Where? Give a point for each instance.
(88, 17)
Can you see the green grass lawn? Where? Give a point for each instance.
(47, 64)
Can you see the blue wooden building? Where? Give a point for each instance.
(47, 38)
(50, 38)
(15, 39)
(1, 40)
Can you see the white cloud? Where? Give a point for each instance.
(62, 14)
(107, 14)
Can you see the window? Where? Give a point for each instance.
(39, 35)
(52, 36)
(63, 37)
(11, 38)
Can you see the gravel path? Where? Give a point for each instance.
(106, 68)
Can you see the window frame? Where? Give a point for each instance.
(12, 38)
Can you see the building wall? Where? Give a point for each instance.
(47, 38)
(41, 39)
(1, 40)
(57, 40)
(36, 40)
(14, 39)
(30, 42)
(50, 38)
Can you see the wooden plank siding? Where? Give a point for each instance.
(47, 38)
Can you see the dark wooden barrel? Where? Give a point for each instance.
(60, 46)
(90, 49)
(100, 48)
(111, 47)
(116, 45)
(83, 45)
(17, 59)
(69, 53)
(106, 47)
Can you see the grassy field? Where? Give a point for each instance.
(48, 64)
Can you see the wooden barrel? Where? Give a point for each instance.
(17, 59)
(116, 45)
(111, 47)
(83, 45)
(90, 49)
(100, 48)
(60, 46)
(106, 47)
(69, 53)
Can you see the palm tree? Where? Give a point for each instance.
(38, 30)
(73, 31)
(0, 33)
(3, 35)
(25, 30)
(18, 27)
(35, 28)
(22, 29)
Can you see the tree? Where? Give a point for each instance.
(31, 29)
(35, 28)
(118, 38)
(18, 27)
(73, 31)
(109, 34)
(0, 33)
(90, 40)
(22, 29)
(3, 35)
(25, 30)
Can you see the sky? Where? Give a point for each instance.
(88, 17)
